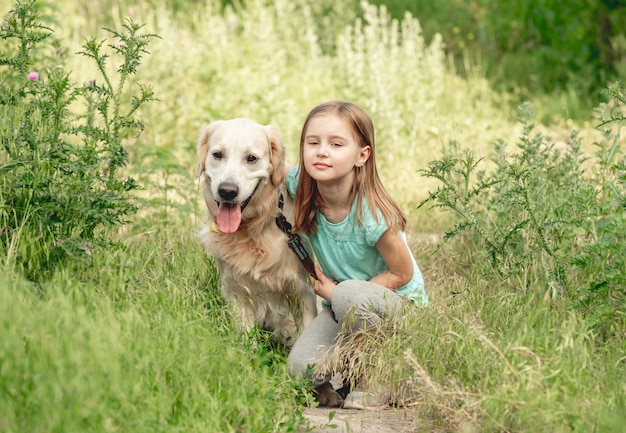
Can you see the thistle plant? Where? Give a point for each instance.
(603, 254)
(542, 214)
(63, 145)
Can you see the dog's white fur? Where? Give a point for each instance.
(260, 276)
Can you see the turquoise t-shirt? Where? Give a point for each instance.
(347, 250)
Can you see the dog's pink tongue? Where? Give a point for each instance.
(228, 217)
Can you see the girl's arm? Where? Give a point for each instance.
(396, 255)
(398, 258)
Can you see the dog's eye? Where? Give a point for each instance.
(251, 159)
(217, 155)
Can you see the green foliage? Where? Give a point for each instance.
(138, 342)
(530, 46)
(541, 217)
(138, 337)
(60, 162)
(484, 360)
(603, 256)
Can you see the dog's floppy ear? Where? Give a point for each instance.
(277, 155)
(203, 145)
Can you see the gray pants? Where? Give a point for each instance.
(356, 305)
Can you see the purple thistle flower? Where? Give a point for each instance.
(33, 76)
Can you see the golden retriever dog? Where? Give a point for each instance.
(242, 163)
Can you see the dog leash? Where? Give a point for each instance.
(294, 242)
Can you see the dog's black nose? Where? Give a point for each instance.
(228, 190)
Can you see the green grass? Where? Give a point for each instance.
(136, 337)
(482, 359)
(140, 342)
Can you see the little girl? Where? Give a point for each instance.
(356, 231)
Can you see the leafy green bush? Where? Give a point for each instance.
(543, 215)
(603, 255)
(63, 146)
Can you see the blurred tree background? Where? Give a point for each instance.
(559, 53)
(570, 49)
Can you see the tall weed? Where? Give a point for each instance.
(543, 215)
(602, 256)
(63, 145)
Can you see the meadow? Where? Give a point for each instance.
(110, 315)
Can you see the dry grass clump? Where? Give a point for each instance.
(387, 359)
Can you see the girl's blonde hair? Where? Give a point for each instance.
(367, 182)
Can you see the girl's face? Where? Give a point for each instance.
(330, 151)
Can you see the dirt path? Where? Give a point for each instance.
(360, 421)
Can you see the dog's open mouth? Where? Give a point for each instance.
(228, 217)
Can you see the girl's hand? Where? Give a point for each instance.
(324, 286)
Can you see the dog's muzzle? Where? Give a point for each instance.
(229, 213)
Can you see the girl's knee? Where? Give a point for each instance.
(343, 296)
(366, 303)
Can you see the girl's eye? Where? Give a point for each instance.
(251, 159)
(217, 155)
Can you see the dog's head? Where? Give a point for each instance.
(239, 157)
